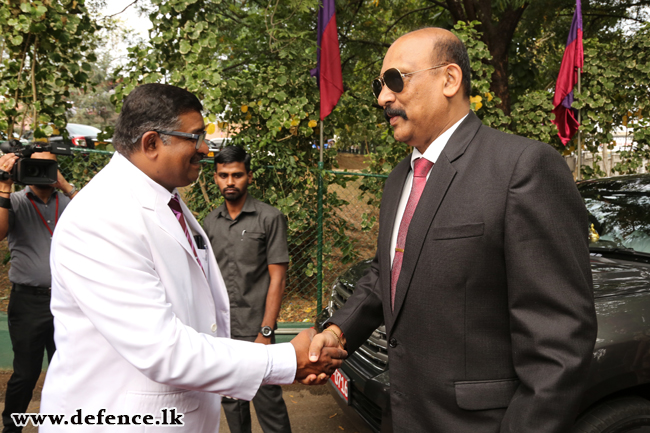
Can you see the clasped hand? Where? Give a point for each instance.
(316, 369)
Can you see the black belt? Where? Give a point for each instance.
(20, 288)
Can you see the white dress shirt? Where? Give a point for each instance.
(432, 153)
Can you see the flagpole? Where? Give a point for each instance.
(579, 161)
(321, 141)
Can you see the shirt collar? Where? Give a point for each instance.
(29, 191)
(249, 207)
(435, 149)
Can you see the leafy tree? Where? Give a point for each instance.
(46, 49)
(249, 62)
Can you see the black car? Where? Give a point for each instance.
(617, 399)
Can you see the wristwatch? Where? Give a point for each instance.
(266, 331)
(72, 191)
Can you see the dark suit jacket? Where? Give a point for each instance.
(494, 322)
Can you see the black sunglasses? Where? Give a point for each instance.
(393, 78)
(200, 138)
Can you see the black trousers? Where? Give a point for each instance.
(269, 406)
(31, 329)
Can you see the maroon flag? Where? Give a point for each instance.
(565, 116)
(328, 66)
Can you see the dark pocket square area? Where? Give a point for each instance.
(459, 231)
(485, 394)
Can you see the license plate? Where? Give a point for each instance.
(342, 384)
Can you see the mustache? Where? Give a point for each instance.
(196, 158)
(391, 112)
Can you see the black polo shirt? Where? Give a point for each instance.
(244, 248)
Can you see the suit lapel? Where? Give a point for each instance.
(440, 179)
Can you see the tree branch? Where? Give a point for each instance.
(233, 66)
(407, 14)
(128, 6)
(379, 44)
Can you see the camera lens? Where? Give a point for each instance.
(33, 171)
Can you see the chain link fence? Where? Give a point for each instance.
(348, 231)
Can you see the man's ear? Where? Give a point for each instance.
(150, 144)
(453, 80)
(250, 177)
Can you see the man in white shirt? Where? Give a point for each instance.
(141, 313)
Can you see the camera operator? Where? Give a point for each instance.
(27, 219)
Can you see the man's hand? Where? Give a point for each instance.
(262, 339)
(316, 373)
(327, 338)
(7, 162)
(61, 183)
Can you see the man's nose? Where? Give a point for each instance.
(203, 148)
(386, 96)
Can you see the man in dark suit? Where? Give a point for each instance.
(482, 267)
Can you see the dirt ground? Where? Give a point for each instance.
(351, 161)
(311, 409)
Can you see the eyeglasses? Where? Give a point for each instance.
(200, 138)
(393, 78)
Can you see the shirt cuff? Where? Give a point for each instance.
(281, 368)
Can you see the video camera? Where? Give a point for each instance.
(28, 171)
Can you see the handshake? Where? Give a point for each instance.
(318, 355)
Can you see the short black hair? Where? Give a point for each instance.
(149, 107)
(233, 154)
(453, 50)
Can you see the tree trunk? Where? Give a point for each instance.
(497, 34)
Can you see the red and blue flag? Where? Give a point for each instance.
(328, 66)
(565, 116)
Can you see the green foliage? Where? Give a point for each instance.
(46, 49)
(249, 63)
(250, 67)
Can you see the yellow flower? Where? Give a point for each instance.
(244, 108)
(489, 96)
(210, 128)
(295, 122)
(478, 106)
(475, 99)
(312, 123)
(248, 116)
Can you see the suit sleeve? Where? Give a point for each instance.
(362, 313)
(552, 316)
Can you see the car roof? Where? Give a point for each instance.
(629, 183)
(76, 129)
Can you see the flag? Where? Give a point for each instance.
(328, 67)
(565, 116)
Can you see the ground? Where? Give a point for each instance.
(311, 409)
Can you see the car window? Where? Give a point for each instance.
(621, 218)
(84, 130)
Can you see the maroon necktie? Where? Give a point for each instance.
(175, 204)
(421, 167)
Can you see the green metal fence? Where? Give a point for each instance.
(348, 236)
